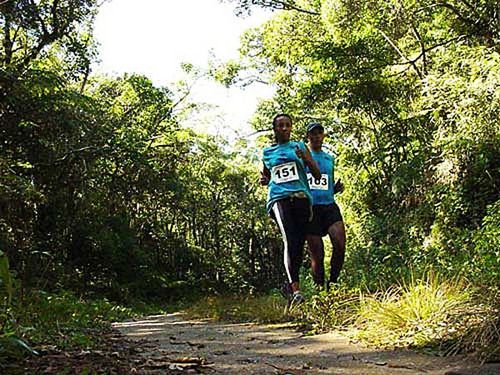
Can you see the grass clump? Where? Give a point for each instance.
(334, 309)
(261, 309)
(482, 334)
(431, 313)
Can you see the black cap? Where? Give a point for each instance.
(313, 125)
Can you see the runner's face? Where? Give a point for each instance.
(316, 137)
(282, 129)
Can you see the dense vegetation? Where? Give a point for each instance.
(104, 194)
(409, 93)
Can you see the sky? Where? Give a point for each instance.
(155, 37)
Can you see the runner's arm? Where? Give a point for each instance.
(265, 176)
(313, 166)
(338, 187)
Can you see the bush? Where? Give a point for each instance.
(485, 264)
(61, 320)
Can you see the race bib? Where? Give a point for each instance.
(318, 184)
(285, 172)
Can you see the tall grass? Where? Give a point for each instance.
(482, 334)
(429, 312)
(335, 309)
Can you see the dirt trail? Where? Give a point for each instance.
(184, 346)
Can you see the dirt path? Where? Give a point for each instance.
(203, 346)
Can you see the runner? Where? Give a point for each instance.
(327, 218)
(289, 198)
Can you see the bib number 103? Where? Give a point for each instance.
(285, 172)
(318, 184)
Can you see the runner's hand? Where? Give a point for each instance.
(301, 154)
(339, 187)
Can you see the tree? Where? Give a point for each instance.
(29, 29)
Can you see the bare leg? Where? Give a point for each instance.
(337, 236)
(317, 252)
(295, 286)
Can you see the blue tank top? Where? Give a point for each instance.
(288, 173)
(322, 189)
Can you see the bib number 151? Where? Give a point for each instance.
(284, 173)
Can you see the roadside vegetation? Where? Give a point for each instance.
(439, 316)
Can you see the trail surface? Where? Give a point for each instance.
(178, 345)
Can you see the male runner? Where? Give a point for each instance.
(327, 218)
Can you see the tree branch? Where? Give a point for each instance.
(395, 47)
(254, 133)
(273, 4)
(291, 6)
(436, 46)
(7, 43)
(452, 8)
(470, 6)
(36, 11)
(422, 47)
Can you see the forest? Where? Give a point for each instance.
(109, 205)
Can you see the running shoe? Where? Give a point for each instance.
(297, 299)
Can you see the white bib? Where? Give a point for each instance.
(318, 184)
(285, 172)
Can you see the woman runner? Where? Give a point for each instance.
(289, 198)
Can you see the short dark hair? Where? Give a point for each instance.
(281, 115)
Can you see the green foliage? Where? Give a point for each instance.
(408, 94)
(31, 29)
(104, 193)
(485, 262)
(102, 190)
(226, 73)
(62, 319)
(5, 280)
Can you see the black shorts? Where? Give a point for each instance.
(324, 215)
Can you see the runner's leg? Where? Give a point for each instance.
(302, 216)
(336, 231)
(293, 238)
(317, 252)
